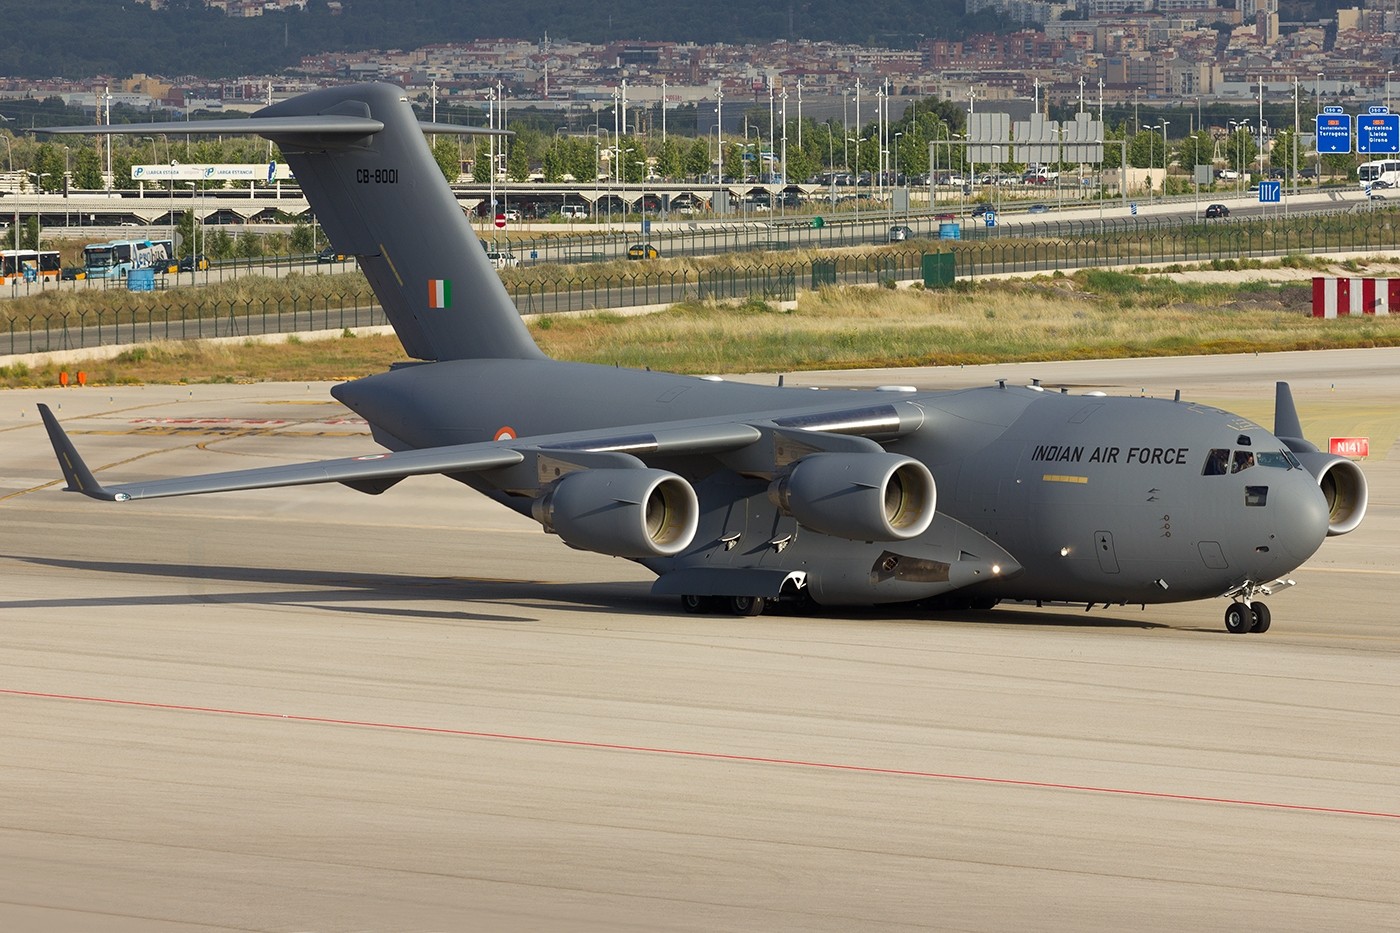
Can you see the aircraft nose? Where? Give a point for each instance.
(1302, 516)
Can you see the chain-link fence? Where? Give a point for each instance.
(552, 289)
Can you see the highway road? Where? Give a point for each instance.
(318, 710)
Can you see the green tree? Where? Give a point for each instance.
(481, 161)
(29, 233)
(518, 161)
(800, 165)
(1196, 149)
(184, 234)
(1339, 165)
(447, 155)
(697, 159)
(1281, 155)
(303, 238)
(87, 169)
(218, 244)
(732, 159)
(582, 160)
(669, 161)
(248, 245)
(1240, 150)
(1145, 149)
(49, 162)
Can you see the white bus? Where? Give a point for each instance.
(1377, 176)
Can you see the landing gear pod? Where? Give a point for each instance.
(625, 513)
(858, 496)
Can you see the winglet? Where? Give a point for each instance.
(75, 471)
(1287, 427)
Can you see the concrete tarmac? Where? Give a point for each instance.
(310, 709)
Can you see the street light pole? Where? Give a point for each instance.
(38, 223)
(1317, 94)
(1164, 159)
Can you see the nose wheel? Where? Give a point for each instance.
(1241, 618)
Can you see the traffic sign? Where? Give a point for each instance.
(500, 221)
(1357, 447)
(1334, 132)
(1270, 192)
(990, 218)
(1378, 133)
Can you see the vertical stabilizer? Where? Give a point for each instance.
(1287, 427)
(360, 156)
(382, 198)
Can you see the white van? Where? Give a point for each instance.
(573, 211)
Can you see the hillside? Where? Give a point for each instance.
(82, 38)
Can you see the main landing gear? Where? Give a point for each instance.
(736, 605)
(1241, 618)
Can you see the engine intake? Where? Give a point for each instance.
(858, 496)
(625, 513)
(1344, 486)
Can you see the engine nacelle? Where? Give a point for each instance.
(625, 513)
(1344, 485)
(858, 496)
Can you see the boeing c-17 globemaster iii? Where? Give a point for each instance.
(737, 496)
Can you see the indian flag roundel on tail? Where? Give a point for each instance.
(439, 293)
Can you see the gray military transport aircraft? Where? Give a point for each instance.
(736, 495)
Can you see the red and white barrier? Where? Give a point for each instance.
(1341, 297)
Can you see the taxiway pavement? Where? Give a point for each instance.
(311, 709)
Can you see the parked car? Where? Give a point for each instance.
(1227, 174)
(73, 273)
(329, 254)
(981, 209)
(1038, 209)
(1217, 210)
(899, 233)
(642, 251)
(502, 259)
(194, 263)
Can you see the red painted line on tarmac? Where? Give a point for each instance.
(713, 756)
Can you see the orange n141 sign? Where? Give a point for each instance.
(1350, 446)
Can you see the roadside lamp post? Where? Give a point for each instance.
(38, 221)
(1164, 159)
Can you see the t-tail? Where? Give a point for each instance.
(367, 172)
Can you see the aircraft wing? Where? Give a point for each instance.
(376, 472)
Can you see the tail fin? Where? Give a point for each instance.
(361, 159)
(1287, 427)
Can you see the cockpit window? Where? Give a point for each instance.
(1243, 461)
(1217, 462)
(1274, 458)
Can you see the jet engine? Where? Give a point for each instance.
(1344, 485)
(858, 496)
(625, 513)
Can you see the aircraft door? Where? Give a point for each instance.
(1103, 547)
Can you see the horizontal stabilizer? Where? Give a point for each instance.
(325, 124)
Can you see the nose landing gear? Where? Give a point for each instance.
(1247, 614)
(1241, 618)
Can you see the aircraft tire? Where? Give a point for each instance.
(1238, 619)
(699, 605)
(746, 605)
(1261, 618)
